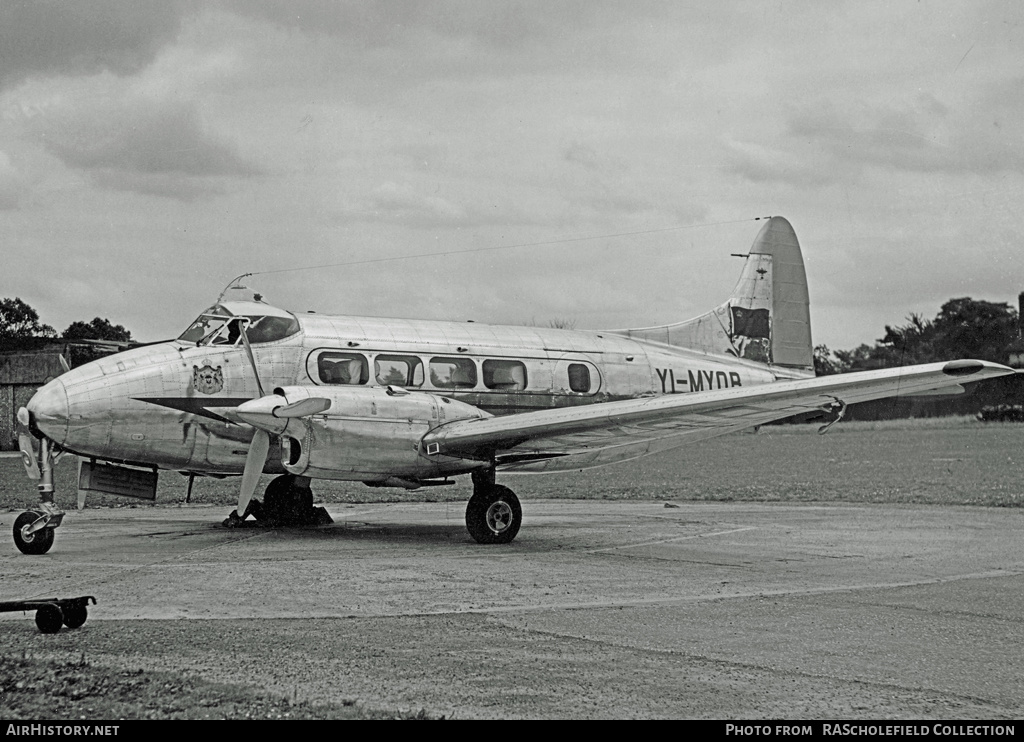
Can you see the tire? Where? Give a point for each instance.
(494, 515)
(49, 618)
(276, 493)
(286, 503)
(33, 543)
(75, 615)
(274, 499)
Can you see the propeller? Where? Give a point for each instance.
(255, 413)
(258, 449)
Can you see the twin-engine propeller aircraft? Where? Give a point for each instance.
(250, 389)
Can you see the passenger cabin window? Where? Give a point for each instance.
(505, 375)
(579, 378)
(452, 373)
(404, 371)
(343, 368)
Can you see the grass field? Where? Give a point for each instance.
(939, 460)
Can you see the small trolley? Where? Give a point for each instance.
(52, 613)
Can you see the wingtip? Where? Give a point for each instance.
(969, 367)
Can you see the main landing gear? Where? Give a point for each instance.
(287, 501)
(493, 515)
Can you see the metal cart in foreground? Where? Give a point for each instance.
(52, 613)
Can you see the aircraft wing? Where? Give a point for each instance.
(590, 435)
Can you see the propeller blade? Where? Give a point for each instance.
(254, 461)
(63, 363)
(28, 456)
(304, 407)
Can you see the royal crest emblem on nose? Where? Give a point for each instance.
(207, 380)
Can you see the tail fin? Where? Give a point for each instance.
(766, 319)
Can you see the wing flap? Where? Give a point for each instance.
(638, 426)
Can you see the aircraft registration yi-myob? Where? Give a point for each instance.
(250, 389)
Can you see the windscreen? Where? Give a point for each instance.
(218, 326)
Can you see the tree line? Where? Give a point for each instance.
(963, 328)
(20, 329)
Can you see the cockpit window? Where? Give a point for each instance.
(218, 326)
(266, 329)
(205, 326)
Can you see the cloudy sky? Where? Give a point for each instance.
(152, 151)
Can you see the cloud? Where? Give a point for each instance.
(143, 136)
(127, 136)
(403, 204)
(408, 204)
(923, 135)
(830, 142)
(10, 183)
(794, 166)
(385, 23)
(104, 88)
(588, 157)
(52, 37)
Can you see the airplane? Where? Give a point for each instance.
(249, 389)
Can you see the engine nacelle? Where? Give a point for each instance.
(368, 434)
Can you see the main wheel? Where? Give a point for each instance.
(49, 618)
(31, 543)
(493, 515)
(75, 615)
(278, 489)
(286, 502)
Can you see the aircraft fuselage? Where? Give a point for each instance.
(163, 405)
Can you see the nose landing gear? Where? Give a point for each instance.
(33, 529)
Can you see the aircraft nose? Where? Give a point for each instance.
(49, 408)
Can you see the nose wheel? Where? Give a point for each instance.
(33, 531)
